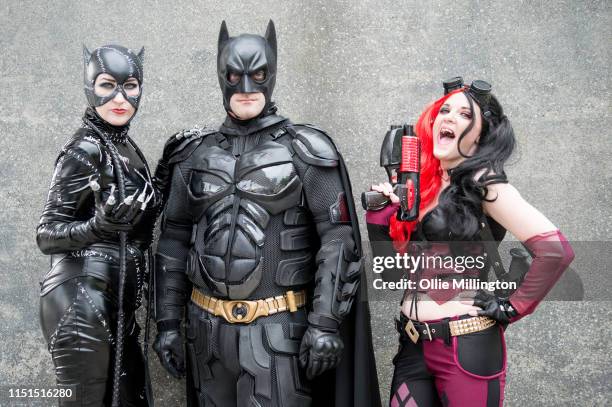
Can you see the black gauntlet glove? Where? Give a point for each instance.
(320, 351)
(494, 307)
(169, 348)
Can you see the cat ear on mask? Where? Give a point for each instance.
(271, 35)
(141, 55)
(223, 36)
(86, 55)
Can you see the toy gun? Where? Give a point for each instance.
(400, 153)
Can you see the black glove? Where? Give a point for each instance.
(110, 218)
(320, 351)
(494, 307)
(169, 348)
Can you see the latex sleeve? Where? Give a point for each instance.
(67, 220)
(552, 254)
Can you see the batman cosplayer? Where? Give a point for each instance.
(260, 254)
(97, 225)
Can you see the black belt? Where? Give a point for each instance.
(426, 331)
(445, 329)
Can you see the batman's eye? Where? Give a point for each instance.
(233, 78)
(259, 76)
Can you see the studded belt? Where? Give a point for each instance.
(246, 311)
(416, 330)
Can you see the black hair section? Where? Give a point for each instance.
(462, 200)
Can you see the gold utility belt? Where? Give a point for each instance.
(246, 311)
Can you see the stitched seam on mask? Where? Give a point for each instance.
(128, 59)
(100, 61)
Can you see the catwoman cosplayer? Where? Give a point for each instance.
(97, 225)
(452, 349)
(260, 243)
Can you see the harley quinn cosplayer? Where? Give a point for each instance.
(97, 225)
(260, 254)
(452, 349)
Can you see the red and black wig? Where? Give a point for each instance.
(462, 199)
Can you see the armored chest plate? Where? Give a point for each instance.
(235, 198)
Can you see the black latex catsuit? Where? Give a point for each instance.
(79, 294)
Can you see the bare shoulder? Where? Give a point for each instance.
(505, 204)
(503, 191)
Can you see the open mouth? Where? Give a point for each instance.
(446, 136)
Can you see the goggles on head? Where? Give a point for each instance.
(478, 90)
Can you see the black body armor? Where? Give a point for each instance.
(251, 216)
(258, 213)
(252, 212)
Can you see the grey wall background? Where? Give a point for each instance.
(352, 67)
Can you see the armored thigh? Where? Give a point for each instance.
(246, 365)
(268, 355)
(212, 360)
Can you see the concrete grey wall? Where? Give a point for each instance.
(352, 67)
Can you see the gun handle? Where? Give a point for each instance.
(408, 192)
(374, 201)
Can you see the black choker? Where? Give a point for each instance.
(115, 134)
(117, 137)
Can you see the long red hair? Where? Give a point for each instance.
(431, 178)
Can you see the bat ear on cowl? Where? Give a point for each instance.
(271, 36)
(223, 36)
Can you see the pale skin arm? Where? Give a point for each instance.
(510, 210)
(515, 214)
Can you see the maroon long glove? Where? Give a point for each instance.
(383, 216)
(552, 254)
